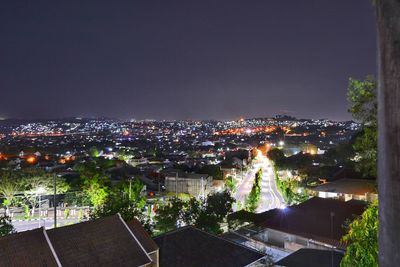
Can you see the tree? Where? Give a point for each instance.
(94, 183)
(206, 214)
(362, 95)
(230, 184)
(31, 180)
(169, 216)
(276, 155)
(8, 190)
(362, 239)
(212, 170)
(94, 152)
(365, 147)
(253, 199)
(128, 206)
(214, 212)
(6, 226)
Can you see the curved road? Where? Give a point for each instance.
(270, 196)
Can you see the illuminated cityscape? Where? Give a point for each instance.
(200, 133)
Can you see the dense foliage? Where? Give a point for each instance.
(362, 95)
(21, 187)
(5, 226)
(207, 214)
(362, 239)
(289, 190)
(253, 199)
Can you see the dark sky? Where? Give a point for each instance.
(166, 59)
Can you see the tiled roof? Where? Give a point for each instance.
(25, 249)
(189, 246)
(107, 241)
(143, 237)
(102, 242)
(306, 257)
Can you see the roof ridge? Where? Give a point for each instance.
(51, 247)
(137, 241)
(175, 230)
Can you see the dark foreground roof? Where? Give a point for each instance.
(312, 219)
(189, 246)
(102, 242)
(25, 249)
(143, 237)
(306, 257)
(107, 241)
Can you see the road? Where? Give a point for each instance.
(270, 196)
(21, 226)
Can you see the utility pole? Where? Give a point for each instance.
(176, 184)
(40, 212)
(332, 215)
(130, 188)
(54, 200)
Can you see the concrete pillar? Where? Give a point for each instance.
(388, 24)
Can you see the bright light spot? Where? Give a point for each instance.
(281, 143)
(40, 190)
(31, 159)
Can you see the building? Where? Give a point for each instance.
(103, 242)
(188, 246)
(197, 185)
(347, 189)
(316, 223)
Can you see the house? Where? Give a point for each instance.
(232, 167)
(306, 257)
(316, 223)
(347, 189)
(107, 241)
(194, 184)
(188, 246)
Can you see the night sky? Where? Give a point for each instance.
(166, 59)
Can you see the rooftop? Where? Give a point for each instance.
(348, 186)
(188, 246)
(306, 257)
(107, 241)
(312, 219)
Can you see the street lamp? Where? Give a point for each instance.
(40, 191)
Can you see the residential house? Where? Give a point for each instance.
(347, 189)
(194, 184)
(316, 223)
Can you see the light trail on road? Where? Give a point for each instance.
(270, 196)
